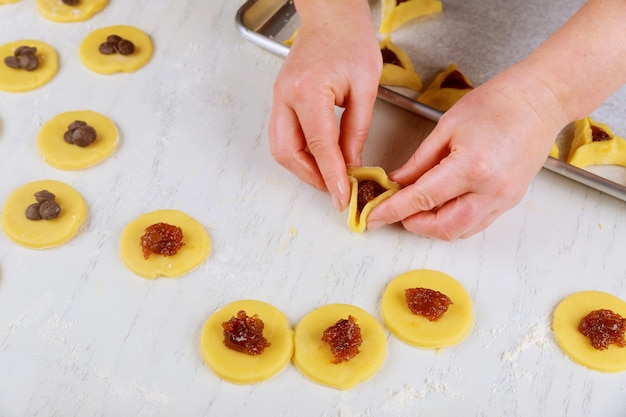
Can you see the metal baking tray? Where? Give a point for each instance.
(483, 37)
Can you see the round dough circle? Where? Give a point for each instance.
(314, 359)
(193, 253)
(418, 331)
(111, 64)
(239, 367)
(19, 80)
(58, 11)
(42, 234)
(63, 155)
(566, 318)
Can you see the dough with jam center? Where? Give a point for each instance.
(418, 331)
(197, 245)
(114, 63)
(442, 98)
(40, 234)
(67, 156)
(19, 80)
(314, 359)
(58, 11)
(395, 15)
(239, 367)
(402, 75)
(357, 221)
(584, 151)
(565, 321)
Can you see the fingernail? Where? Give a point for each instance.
(336, 203)
(375, 224)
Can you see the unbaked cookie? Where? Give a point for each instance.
(112, 63)
(395, 13)
(446, 89)
(451, 328)
(19, 80)
(40, 234)
(594, 143)
(397, 67)
(58, 11)
(370, 186)
(240, 367)
(565, 321)
(195, 249)
(63, 155)
(314, 359)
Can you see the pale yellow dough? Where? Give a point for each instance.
(314, 358)
(58, 11)
(396, 75)
(566, 319)
(585, 152)
(193, 253)
(443, 98)
(111, 64)
(395, 15)
(239, 367)
(19, 80)
(42, 234)
(8, 1)
(63, 155)
(416, 330)
(357, 222)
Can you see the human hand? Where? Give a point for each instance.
(335, 60)
(478, 161)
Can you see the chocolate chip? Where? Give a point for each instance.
(83, 136)
(125, 47)
(70, 2)
(80, 133)
(49, 209)
(113, 39)
(44, 195)
(12, 61)
(106, 48)
(25, 50)
(32, 212)
(28, 62)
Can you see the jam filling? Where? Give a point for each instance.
(162, 239)
(455, 80)
(598, 134)
(245, 334)
(390, 57)
(368, 190)
(428, 303)
(344, 339)
(603, 328)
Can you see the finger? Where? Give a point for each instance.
(355, 125)
(321, 131)
(443, 183)
(289, 148)
(460, 217)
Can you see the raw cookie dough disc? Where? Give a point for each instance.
(63, 155)
(58, 11)
(39, 234)
(240, 367)
(418, 331)
(111, 64)
(566, 319)
(197, 245)
(19, 80)
(314, 358)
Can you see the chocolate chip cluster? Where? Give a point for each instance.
(24, 58)
(45, 208)
(70, 2)
(80, 133)
(116, 44)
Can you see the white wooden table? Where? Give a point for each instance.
(81, 335)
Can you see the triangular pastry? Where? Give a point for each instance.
(397, 12)
(397, 67)
(595, 143)
(446, 89)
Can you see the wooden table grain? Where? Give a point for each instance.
(81, 335)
